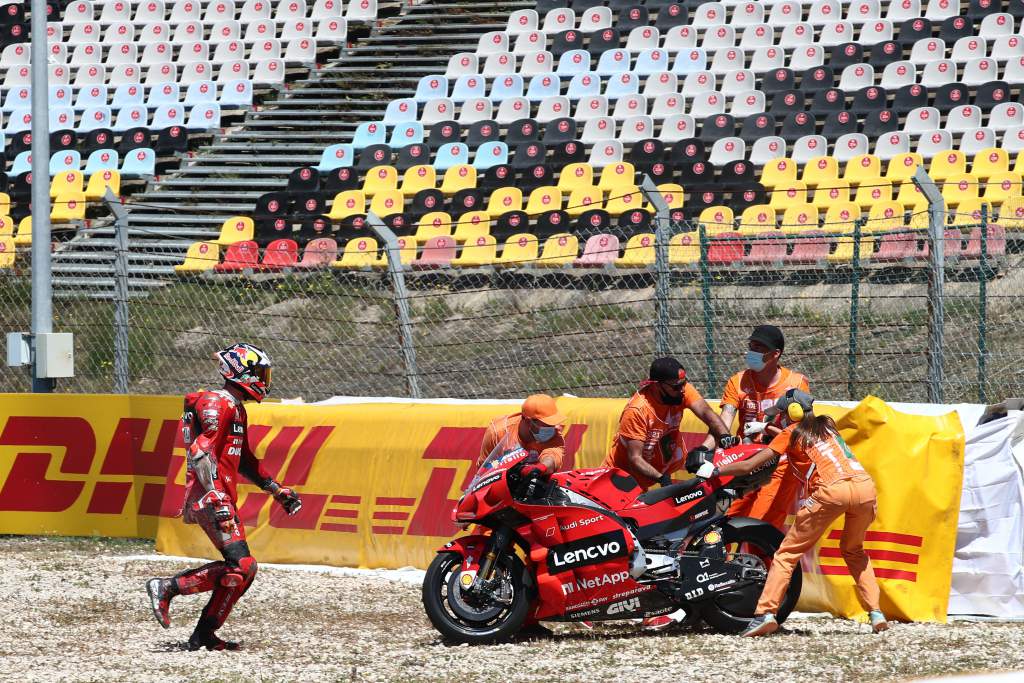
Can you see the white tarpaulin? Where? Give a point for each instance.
(987, 571)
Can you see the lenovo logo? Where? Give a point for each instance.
(590, 550)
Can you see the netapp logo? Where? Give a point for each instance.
(590, 550)
(693, 495)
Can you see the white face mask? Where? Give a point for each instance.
(543, 434)
(755, 361)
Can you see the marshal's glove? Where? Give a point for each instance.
(287, 498)
(537, 469)
(707, 471)
(697, 457)
(754, 428)
(728, 441)
(665, 479)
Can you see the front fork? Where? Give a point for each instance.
(483, 583)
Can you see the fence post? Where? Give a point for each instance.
(851, 377)
(662, 234)
(401, 297)
(936, 282)
(708, 310)
(121, 353)
(983, 309)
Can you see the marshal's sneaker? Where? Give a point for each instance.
(160, 593)
(878, 622)
(762, 625)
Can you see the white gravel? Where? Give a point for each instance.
(76, 610)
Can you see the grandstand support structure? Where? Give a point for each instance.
(225, 178)
(662, 270)
(936, 281)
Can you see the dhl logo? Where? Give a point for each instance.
(906, 557)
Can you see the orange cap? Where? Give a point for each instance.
(543, 408)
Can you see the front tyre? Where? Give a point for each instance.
(732, 611)
(461, 618)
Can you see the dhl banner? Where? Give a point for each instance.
(378, 481)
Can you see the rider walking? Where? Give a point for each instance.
(214, 427)
(837, 485)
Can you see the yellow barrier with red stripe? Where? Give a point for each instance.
(378, 482)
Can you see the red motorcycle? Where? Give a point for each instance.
(590, 545)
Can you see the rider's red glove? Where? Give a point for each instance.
(538, 469)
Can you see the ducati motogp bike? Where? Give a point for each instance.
(590, 545)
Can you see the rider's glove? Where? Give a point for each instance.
(286, 497)
(753, 428)
(697, 457)
(707, 471)
(218, 506)
(535, 469)
(728, 441)
(665, 479)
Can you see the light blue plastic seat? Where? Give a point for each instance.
(336, 156)
(139, 163)
(65, 160)
(61, 117)
(201, 92)
(60, 96)
(490, 154)
(95, 117)
(573, 62)
(400, 111)
(505, 87)
(470, 85)
(431, 87)
(163, 94)
(621, 85)
(370, 133)
(406, 134)
(19, 97)
(102, 160)
(613, 62)
(91, 96)
(128, 93)
(690, 61)
(21, 164)
(584, 85)
(168, 115)
(132, 116)
(236, 93)
(451, 154)
(651, 62)
(544, 85)
(204, 117)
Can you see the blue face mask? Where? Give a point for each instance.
(543, 434)
(755, 361)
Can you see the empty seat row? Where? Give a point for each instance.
(137, 163)
(327, 31)
(201, 116)
(83, 11)
(268, 71)
(296, 50)
(237, 93)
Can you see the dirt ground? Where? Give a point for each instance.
(75, 609)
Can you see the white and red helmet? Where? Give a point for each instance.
(247, 367)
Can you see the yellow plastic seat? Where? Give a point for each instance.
(673, 195)
(1011, 214)
(757, 219)
(778, 171)
(5, 204)
(380, 179)
(458, 177)
(360, 252)
(66, 182)
(844, 246)
(481, 250)
(23, 237)
(968, 213)
(884, 216)
(800, 217)
(1002, 186)
(433, 224)
(788, 194)
(347, 203)
(623, 199)
(98, 183)
(584, 199)
(575, 176)
(684, 248)
(618, 175)
(236, 229)
(829, 193)
(947, 164)
(406, 252)
(871, 191)
(471, 225)
(560, 250)
(68, 207)
(822, 170)
(911, 197)
(902, 167)
(863, 167)
(544, 198)
(989, 162)
(961, 187)
(520, 250)
(841, 216)
(201, 256)
(6, 226)
(416, 178)
(505, 199)
(639, 252)
(387, 202)
(717, 220)
(7, 252)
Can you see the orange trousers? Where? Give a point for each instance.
(856, 498)
(770, 503)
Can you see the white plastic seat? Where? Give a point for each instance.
(709, 14)
(558, 20)
(595, 19)
(475, 109)
(767, 148)
(537, 63)
(747, 104)
(434, 111)
(636, 128)
(155, 32)
(863, 11)
(739, 81)
(928, 50)
(825, 12)
(796, 35)
(963, 118)
(300, 50)
(287, 10)
(718, 37)
(236, 94)
(856, 77)
(115, 11)
(1006, 48)
(757, 35)
(1006, 115)
(807, 57)
(977, 139)
(87, 53)
(157, 73)
(296, 29)
(551, 108)
(54, 32)
(726, 150)
(256, 9)
(969, 47)
(598, 129)
(875, 31)
(731, 59)
(699, 82)
(195, 71)
(979, 71)
(902, 10)
(78, 12)
(922, 120)
(326, 9)
(836, 34)
(1013, 139)
(234, 70)
(265, 49)
(124, 53)
(785, 12)
(934, 142)
(890, 145)
(260, 29)
(361, 10)
(185, 10)
(122, 74)
(679, 38)
(512, 109)
(747, 14)
(522, 21)
(591, 107)
(58, 74)
(606, 153)
(767, 59)
(224, 31)
(491, 42)
(936, 74)
(677, 127)
(268, 71)
(469, 87)
(499, 64)
(57, 53)
(708, 104)
(532, 41)
(461, 64)
(630, 105)
(808, 147)
(996, 25)
(195, 52)
(939, 10)
(187, 32)
(643, 38)
(667, 104)
(332, 30)
(850, 145)
(660, 83)
(1013, 72)
(898, 74)
(155, 53)
(219, 10)
(17, 54)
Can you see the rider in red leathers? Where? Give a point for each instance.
(214, 426)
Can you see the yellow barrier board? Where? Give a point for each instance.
(378, 482)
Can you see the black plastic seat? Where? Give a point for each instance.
(950, 95)
(133, 138)
(529, 154)
(266, 230)
(880, 122)
(633, 17)
(703, 196)
(427, 200)
(695, 173)
(551, 223)
(757, 126)
(593, 221)
(687, 149)
(303, 180)
(568, 152)
(374, 155)
(992, 93)
(63, 139)
(798, 125)
(522, 130)
(340, 179)
(171, 140)
(671, 15)
(739, 173)
(415, 154)
(495, 177)
(788, 102)
(605, 39)
(839, 123)
(443, 132)
(271, 205)
(909, 97)
(307, 204)
(311, 229)
(483, 131)
(885, 53)
(869, 99)
(511, 222)
(660, 171)
(717, 127)
(817, 78)
(633, 222)
(646, 152)
(829, 100)
(778, 80)
(979, 9)
(750, 194)
(559, 130)
(566, 41)
(466, 200)
(18, 142)
(913, 30)
(953, 29)
(535, 176)
(845, 54)
(545, 6)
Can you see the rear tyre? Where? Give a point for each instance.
(461, 619)
(731, 612)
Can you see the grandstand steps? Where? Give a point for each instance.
(287, 130)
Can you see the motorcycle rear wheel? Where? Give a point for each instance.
(457, 619)
(732, 611)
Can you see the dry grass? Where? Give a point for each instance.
(76, 610)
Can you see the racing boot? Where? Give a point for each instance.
(761, 625)
(160, 593)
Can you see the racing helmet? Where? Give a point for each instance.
(247, 367)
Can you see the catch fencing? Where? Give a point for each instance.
(923, 306)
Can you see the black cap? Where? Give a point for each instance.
(770, 336)
(666, 369)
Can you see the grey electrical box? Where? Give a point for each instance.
(55, 355)
(18, 351)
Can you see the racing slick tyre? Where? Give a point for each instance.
(732, 611)
(461, 618)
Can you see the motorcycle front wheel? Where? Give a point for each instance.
(461, 618)
(732, 611)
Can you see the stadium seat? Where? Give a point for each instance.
(433, 224)
(360, 253)
(519, 250)
(318, 253)
(201, 257)
(639, 252)
(236, 229)
(477, 251)
(279, 254)
(239, 256)
(601, 250)
(437, 252)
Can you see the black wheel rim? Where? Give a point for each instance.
(461, 612)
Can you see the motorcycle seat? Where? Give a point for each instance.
(658, 495)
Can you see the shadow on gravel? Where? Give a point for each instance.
(170, 646)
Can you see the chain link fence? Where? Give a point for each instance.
(580, 313)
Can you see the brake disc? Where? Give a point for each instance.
(469, 607)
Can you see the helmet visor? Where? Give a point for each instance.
(262, 373)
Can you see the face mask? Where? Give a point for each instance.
(543, 434)
(755, 361)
